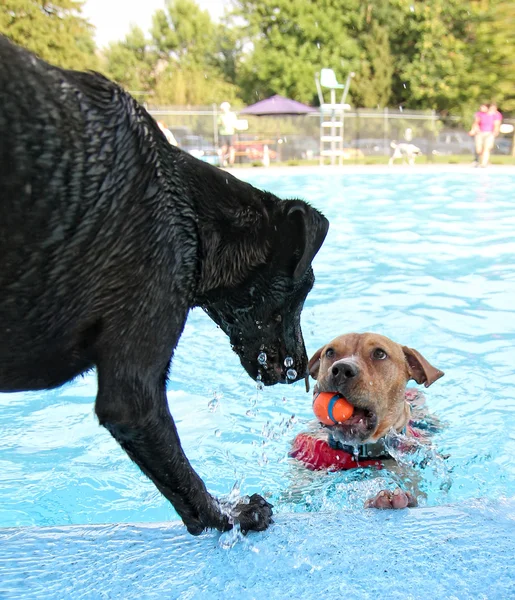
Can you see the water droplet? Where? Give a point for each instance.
(291, 373)
(288, 361)
(218, 433)
(262, 359)
(213, 404)
(259, 380)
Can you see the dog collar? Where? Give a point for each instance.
(362, 451)
(317, 454)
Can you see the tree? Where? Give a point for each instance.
(130, 62)
(184, 33)
(492, 43)
(292, 40)
(192, 53)
(449, 54)
(373, 82)
(55, 31)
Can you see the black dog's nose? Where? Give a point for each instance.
(342, 371)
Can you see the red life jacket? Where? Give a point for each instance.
(317, 454)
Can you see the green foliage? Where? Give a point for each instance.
(449, 54)
(494, 43)
(191, 86)
(54, 30)
(373, 81)
(179, 64)
(184, 33)
(130, 63)
(422, 54)
(444, 55)
(292, 40)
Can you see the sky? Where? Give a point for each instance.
(112, 18)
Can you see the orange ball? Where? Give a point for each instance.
(331, 408)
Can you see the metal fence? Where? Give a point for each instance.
(367, 133)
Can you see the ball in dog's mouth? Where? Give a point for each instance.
(357, 428)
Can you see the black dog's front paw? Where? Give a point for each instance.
(256, 515)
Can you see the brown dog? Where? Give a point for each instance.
(371, 372)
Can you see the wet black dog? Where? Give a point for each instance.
(108, 237)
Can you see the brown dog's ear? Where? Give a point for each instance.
(314, 363)
(419, 368)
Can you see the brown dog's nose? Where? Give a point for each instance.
(342, 371)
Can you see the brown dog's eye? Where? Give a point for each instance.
(379, 354)
(329, 353)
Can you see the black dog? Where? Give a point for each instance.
(108, 237)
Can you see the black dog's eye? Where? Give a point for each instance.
(329, 353)
(379, 354)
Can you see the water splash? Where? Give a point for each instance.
(228, 503)
(291, 373)
(214, 403)
(259, 382)
(229, 539)
(410, 452)
(262, 358)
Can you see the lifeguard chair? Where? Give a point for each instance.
(332, 118)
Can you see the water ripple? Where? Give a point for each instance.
(426, 259)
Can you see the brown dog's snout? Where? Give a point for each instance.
(342, 371)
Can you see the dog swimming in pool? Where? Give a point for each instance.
(360, 398)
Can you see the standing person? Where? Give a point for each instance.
(487, 126)
(227, 122)
(474, 130)
(497, 116)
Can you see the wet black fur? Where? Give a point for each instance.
(108, 237)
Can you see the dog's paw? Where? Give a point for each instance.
(255, 515)
(388, 500)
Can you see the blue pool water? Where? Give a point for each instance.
(427, 259)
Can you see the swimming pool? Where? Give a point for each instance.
(424, 257)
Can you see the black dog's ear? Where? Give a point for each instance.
(419, 368)
(314, 363)
(308, 228)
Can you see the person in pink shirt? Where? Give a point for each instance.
(485, 129)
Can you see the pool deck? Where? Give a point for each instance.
(349, 169)
(461, 551)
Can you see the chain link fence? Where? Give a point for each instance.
(366, 133)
